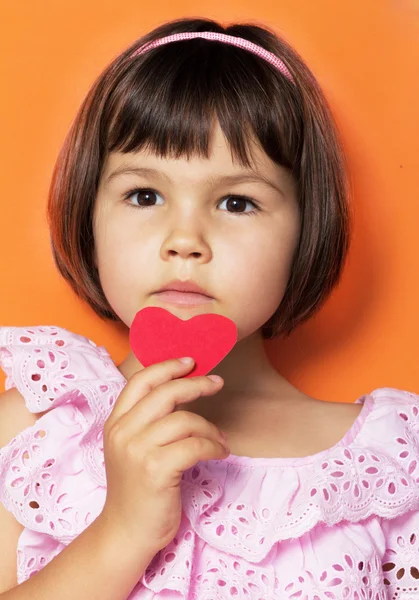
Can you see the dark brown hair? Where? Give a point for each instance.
(166, 100)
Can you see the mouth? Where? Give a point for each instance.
(183, 298)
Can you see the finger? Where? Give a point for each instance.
(142, 382)
(163, 399)
(177, 426)
(172, 460)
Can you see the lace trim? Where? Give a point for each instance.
(350, 575)
(401, 559)
(44, 479)
(44, 363)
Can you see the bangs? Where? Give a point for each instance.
(168, 101)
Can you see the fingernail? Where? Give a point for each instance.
(186, 360)
(215, 378)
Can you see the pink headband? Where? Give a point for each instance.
(220, 37)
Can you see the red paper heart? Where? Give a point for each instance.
(157, 335)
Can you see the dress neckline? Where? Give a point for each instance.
(250, 461)
(366, 400)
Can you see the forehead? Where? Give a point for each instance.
(219, 163)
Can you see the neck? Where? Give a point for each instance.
(246, 371)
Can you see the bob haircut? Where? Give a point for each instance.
(165, 100)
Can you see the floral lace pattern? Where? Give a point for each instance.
(342, 523)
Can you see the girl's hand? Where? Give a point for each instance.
(148, 445)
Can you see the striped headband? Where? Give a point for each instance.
(220, 37)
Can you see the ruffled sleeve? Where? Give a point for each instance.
(52, 475)
(44, 363)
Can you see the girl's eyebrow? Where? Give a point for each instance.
(223, 179)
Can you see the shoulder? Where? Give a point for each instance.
(383, 401)
(388, 410)
(45, 362)
(14, 416)
(339, 416)
(325, 423)
(382, 422)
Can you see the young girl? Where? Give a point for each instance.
(202, 155)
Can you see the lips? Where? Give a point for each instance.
(184, 287)
(185, 298)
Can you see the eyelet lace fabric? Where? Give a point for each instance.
(341, 524)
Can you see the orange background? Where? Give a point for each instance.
(365, 55)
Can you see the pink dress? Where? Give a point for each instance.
(341, 524)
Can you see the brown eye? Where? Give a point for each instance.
(144, 197)
(237, 205)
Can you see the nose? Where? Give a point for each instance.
(186, 241)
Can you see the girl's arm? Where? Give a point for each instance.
(97, 564)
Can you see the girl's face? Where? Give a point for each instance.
(186, 225)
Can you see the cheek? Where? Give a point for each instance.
(259, 273)
(123, 263)
(263, 262)
(122, 269)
